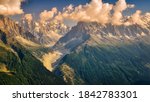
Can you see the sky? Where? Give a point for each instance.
(97, 10)
(37, 6)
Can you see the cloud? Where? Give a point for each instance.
(120, 6)
(69, 8)
(117, 17)
(10, 7)
(136, 17)
(59, 17)
(46, 15)
(28, 18)
(131, 5)
(95, 11)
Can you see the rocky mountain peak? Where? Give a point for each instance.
(85, 31)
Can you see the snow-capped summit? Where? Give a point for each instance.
(98, 33)
(46, 33)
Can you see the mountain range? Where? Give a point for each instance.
(17, 64)
(46, 33)
(108, 54)
(88, 53)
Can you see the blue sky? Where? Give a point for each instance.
(35, 7)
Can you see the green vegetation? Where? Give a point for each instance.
(19, 66)
(110, 64)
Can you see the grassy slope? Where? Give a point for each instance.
(21, 67)
(108, 64)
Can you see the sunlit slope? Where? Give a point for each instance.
(109, 54)
(18, 66)
(108, 64)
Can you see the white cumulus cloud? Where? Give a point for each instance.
(95, 11)
(10, 7)
(28, 17)
(46, 15)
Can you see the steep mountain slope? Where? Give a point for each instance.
(105, 54)
(47, 33)
(37, 43)
(13, 30)
(17, 64)
(101, 33)
(41, 36)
